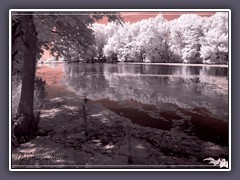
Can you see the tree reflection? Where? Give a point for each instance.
(186, 87)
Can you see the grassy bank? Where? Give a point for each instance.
(101, 140)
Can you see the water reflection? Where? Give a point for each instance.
(190, 99)
(182, 86)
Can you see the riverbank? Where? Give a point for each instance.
(101, 141)
(165, 64)
(180, 64)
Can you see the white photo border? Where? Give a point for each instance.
(118, 169)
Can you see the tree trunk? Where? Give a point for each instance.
(28, 124)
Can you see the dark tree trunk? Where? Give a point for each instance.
(28, 124)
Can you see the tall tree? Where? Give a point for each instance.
(28, 122)
(17, 45)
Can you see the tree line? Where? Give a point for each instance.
(189, 39)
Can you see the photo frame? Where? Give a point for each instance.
(145, 167)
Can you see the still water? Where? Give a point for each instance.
(189, 99)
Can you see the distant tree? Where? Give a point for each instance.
(154, 40)
(111, 48)
(186, 32)
(214, 43)
(100, 39)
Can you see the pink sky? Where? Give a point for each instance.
(138, 16)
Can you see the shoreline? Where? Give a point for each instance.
(180, 64)
(140, 63)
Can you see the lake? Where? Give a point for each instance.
(179, 98)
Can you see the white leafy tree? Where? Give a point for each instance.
(185, 37)
(214, 43)
(144, 41)
(113, 41)
(155, 40)
(102, 33)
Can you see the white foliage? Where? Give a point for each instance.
(189, 39)
(185, 35)
(215, 39)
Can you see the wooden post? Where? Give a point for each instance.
(129, 145)
(85, 100)
(84, 114)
